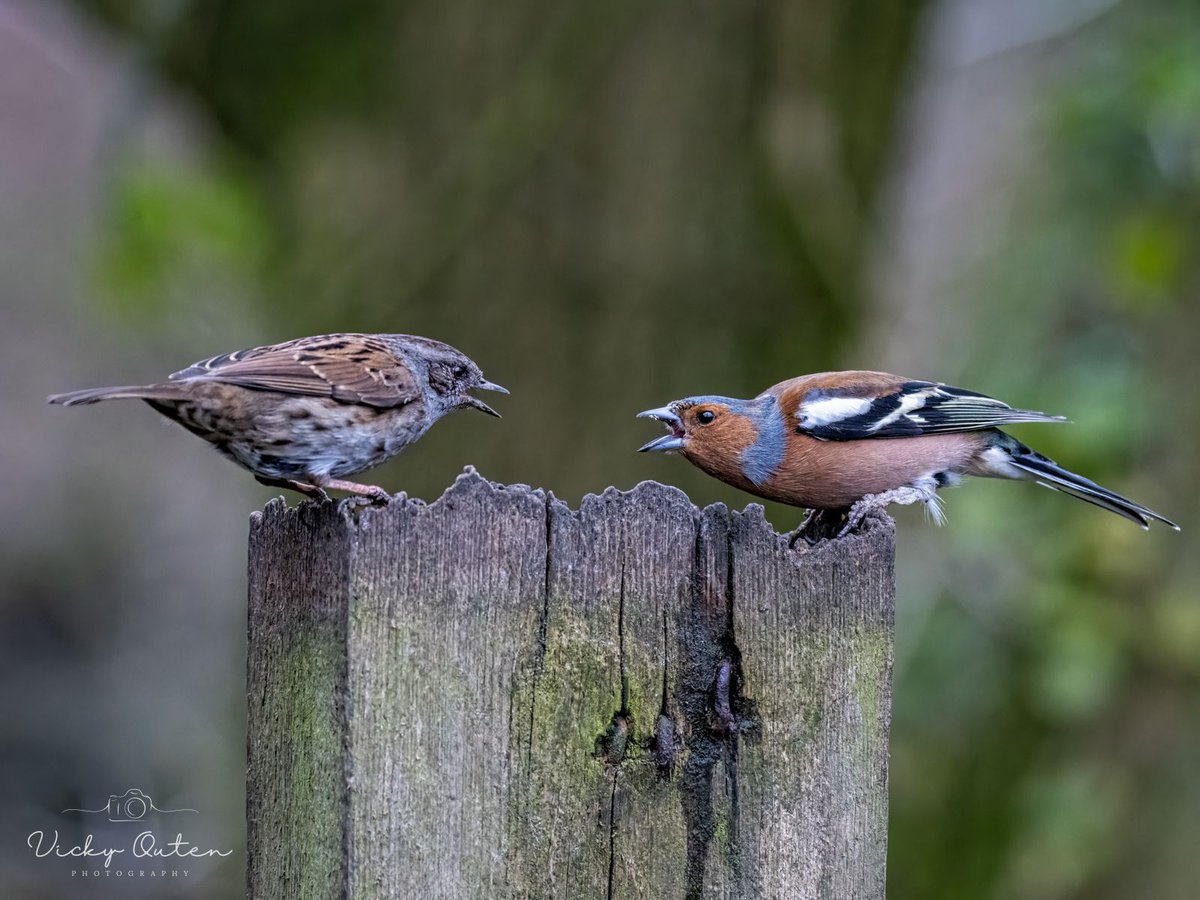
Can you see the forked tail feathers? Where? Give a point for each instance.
(1050, 474)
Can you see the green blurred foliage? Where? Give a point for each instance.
(168, 228)
(1043, 724)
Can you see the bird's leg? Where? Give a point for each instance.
(312, 491)
(901, 495)
(371, 492)
(818, 525)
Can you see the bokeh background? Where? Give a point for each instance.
(610, 205)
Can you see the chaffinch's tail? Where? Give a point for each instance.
(1048, 473)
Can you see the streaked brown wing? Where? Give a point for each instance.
(352, 368)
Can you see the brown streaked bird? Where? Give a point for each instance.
(845, 443)
(306, 413)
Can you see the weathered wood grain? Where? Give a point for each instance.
(496, 696)
(296, 673)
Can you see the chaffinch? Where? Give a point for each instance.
(846, 443)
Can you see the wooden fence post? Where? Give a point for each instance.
(496, 696)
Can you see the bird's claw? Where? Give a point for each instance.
(373, 496)
(378, 496)
(818, 525)
(854, 519)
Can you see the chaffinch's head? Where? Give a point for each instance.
(738, 440)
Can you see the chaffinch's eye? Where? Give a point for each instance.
(460, 372)
(704, 417)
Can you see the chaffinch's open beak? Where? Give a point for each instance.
(468, 400)
(667, 443)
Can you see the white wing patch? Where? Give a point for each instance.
(826, 410)
(908, 403)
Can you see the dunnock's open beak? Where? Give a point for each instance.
(667, 443)
(468, 400)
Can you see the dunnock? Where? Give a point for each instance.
(306, 413)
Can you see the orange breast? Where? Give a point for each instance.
(833, 474)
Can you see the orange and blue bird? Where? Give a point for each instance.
(843, 444)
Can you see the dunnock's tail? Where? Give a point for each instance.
(95, 395)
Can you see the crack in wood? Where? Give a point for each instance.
(539, 661)
(665, 743)
(624, 710)
(700, 648)
(613, 744)
(621, 729)
(612, 835)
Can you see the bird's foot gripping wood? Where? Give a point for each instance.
(819, 525)
(375, 494)
(316, 492)
(902, 495)
(311, 491)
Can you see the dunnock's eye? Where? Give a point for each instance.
(704, 417)
(460, 372)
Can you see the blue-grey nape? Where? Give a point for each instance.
(762, 458)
